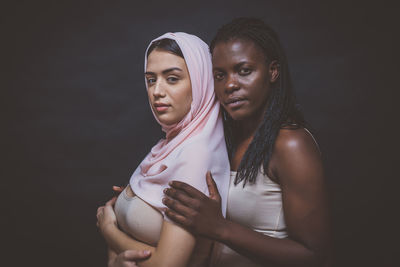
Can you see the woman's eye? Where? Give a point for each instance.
(218, 76)
(244, 71)
(151, 80)
(172, 79)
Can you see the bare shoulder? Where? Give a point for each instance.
(295, 141)
(296, 157)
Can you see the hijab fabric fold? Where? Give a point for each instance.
(192, 146)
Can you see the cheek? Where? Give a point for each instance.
(185, 104)
(188, 100)
(219, 90)
(259, 88)
(188, 95)
(183, 100)
(150, 95)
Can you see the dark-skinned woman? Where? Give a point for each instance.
(277, 212)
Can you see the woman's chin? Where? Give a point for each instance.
(166, 120)
(169, 118)
(238, 115)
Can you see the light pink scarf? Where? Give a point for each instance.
(193, 146)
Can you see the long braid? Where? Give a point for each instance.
(281, 105)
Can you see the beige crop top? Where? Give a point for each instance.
(138, 219)
(143, 222)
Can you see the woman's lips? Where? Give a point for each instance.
(234, 102)
(161, 107)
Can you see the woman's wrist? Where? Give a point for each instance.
(222, 230)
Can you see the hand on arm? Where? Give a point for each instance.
(195, 211)
(127, 258)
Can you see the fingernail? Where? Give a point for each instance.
(146, 252)
(165, 190)
(164, 199)
(170, 182)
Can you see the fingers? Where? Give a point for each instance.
(188, 189)
(99, 210)
(178, 207)
(109, 211)
(111, 202)
(118, 189)
(133, 255)
(185, 222)
(181, 197)
(128, 258)
(212, 187)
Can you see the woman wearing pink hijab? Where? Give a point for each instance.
(180, 87)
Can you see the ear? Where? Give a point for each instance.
(274, 71)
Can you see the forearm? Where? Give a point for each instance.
(202, 254)
(264, 249)
(173, 249)
(120, 241)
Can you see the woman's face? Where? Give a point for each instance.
(169, 87)
(242, 78)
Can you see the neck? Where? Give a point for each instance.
(245, 129)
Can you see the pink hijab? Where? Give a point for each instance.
(197, 144)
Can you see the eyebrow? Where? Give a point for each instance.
(237, 65)
(164, 71)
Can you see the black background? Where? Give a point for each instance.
(77, 121)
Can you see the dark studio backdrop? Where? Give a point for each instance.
(77, 120)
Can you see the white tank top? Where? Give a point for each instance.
(257, 206)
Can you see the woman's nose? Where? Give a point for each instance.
(158, 90)
(231, 84)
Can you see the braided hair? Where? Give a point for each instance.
(281, 108)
